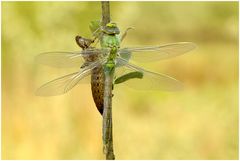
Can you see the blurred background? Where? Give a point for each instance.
(200, 122)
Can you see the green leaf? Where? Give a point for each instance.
(128, 76)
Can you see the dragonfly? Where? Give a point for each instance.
(111, 57)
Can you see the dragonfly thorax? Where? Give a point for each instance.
(110, 41)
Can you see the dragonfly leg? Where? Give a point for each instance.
(85, 65)
(97, 37)
(125, 33)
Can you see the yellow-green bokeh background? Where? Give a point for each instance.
(200, 122)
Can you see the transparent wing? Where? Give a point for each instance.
(67, 59)
(155, 53)
(149, 80)
(64, 84)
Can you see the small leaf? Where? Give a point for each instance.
(128, 76)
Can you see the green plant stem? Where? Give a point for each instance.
(107, 112)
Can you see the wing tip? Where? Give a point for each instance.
(40, 93)
(178, 86)
(193, 45)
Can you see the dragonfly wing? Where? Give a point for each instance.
(145, 80)
(64, 84)
(60, 59)
(67, 59)
(58, 86)
(155, 53)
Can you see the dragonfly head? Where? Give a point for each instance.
(111, 29)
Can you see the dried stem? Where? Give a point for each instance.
(107, 112)
(107, 116)
(105, 13)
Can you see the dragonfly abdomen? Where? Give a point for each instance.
(97, 85)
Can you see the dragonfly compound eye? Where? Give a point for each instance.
(111, 24)
(111, 29)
